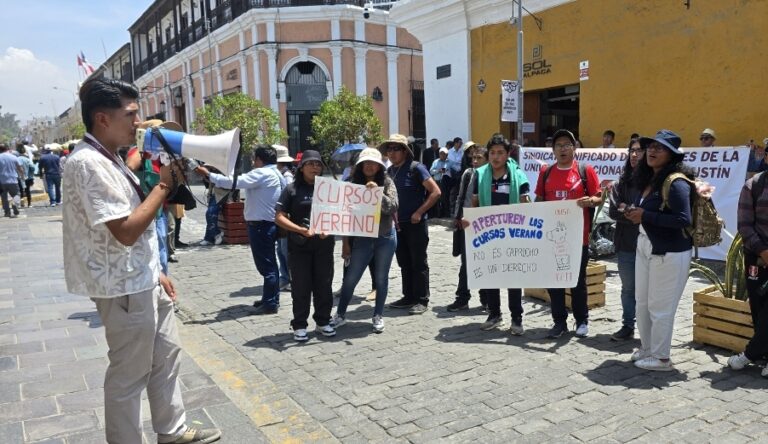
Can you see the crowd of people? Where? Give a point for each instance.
(113, 210)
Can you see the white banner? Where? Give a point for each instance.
(346, 209)
(535, 245)
(509, 96)
(723, 167)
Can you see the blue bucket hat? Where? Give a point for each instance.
(665, 137)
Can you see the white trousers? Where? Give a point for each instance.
(659, 285)
(143, 353)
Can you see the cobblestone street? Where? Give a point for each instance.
(428, 378)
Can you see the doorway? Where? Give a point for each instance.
(306, 90)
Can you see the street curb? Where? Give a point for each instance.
(272, 411)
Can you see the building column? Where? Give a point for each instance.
(360, 71)
(190, 102)
(272, 68)
(393, 95)
(338, 78)
(201, 77)
(256, 55)
(243, 74)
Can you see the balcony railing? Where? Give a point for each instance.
(227, 11)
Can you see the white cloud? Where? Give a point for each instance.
(26, 85)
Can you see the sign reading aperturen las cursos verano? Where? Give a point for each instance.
(534, 245)
(345, 208)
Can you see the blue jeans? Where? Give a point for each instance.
(626, 262)
(262, 235)
(53, 184)
(161, 228)
(381, 249)
(282, 258)
(212, 219)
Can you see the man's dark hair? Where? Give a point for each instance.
(634, 136)
(498, 139)
(609, 133)
(266, 153)
(100, 94)
(457, 140)
(3, 147)
(449, 143)
(432, 141)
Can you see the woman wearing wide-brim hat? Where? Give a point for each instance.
(310, 256)
(664, 251)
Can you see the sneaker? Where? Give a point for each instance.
(172, 258)
(516, 328)
(338, 320)
(53, 204)
(196, 436)
(300, 335)
(654, 364)
(639, 354)
(401, 303)
(582, 330)
(623, 334)
(371, 296)
(418, 309)
(326, 330)
(457, 306)
(204, 243)
(738, 362)
(218, 239)
(15, 210)
(492, 322)
(378, 324)
(764, 373)
(264, 310)
(180, 244)
(285, 286)
(557, 330)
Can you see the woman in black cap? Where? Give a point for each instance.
(663, 255)
(310, 255)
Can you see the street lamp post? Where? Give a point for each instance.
(520, 72)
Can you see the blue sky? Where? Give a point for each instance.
(39, 43)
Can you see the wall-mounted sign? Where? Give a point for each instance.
(443, 71)
(539, 65)
(529, 127)
(584, 70)
(509, 106)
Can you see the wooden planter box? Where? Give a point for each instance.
(595, 288)
(725, 323)
(232, 223)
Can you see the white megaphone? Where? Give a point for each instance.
(219, 151)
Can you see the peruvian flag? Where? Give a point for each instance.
(83, 63)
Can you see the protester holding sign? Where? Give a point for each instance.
(417, 193)
(463, 295)
(663, 248)
(566, 179)
(369, 171)
(501, 182)
(310, 255)
(623, 194)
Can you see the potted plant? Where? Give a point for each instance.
(258, 124)
(721, 314)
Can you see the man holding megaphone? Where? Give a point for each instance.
(111, 255)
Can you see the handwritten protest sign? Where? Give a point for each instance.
(723, 167)
(345, 208)
(535, 245)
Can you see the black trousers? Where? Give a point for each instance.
(514, 300)
(757, 348)
(311, 267)
(578, 296)
(411, 253)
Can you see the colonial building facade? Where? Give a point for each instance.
(290, 54)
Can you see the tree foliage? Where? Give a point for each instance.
(76, 130)
(9, 127)
(257, 123)
(346, 118)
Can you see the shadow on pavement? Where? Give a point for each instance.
(624, 373)
(92, 317)
(225, 314)
(726, 379)
(248, 291)
(534, 339)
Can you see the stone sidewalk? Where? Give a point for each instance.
(53, 352)
(438, 377)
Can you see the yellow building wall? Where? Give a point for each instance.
(652, 64)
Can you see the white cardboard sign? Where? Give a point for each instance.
(345, 209)
(534, 245)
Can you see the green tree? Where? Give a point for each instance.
(76, 130)
(9, 127)
(346, 118)
(257, 123)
